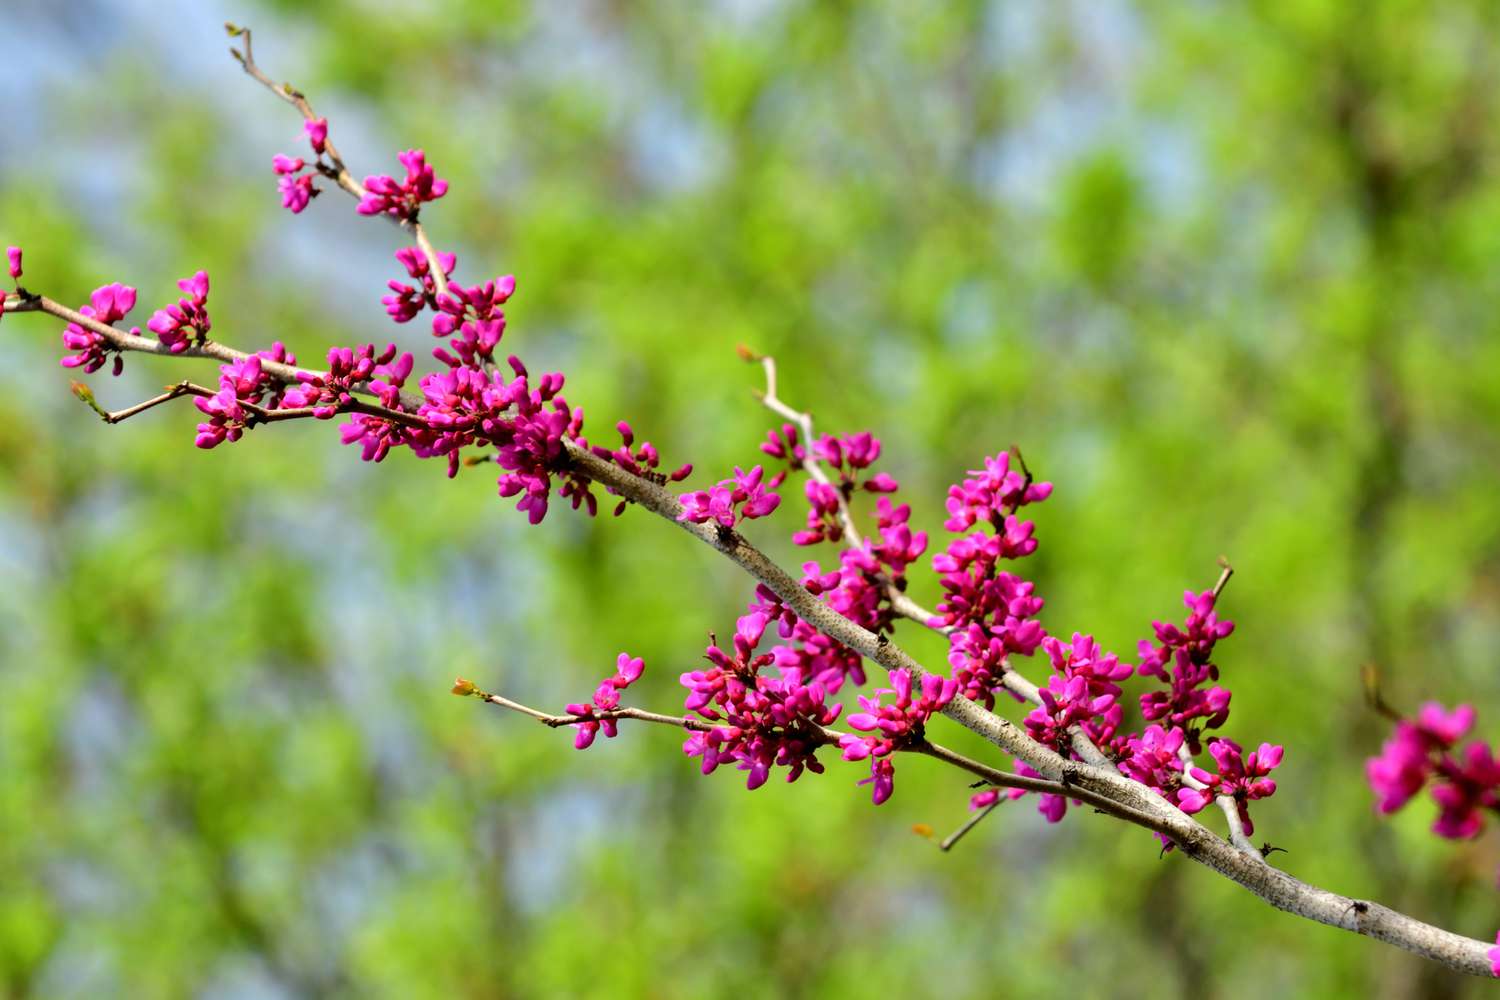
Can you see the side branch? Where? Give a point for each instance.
(335, 169)
(830, 737)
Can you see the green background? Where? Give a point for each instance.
(1226, 271)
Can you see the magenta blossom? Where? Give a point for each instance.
(107, 304)
(405, 302)
(1418, 752)
(763, 721)
(643, 461)
(1242, 778)
(384, 195)
(994, 491)
(744, 496)
(317, 134)
(475, 316)
(296, 188)
(628, 670)
(176, 325)
(13, 254)
(243, 388)
(891, 727)
(1065, 703)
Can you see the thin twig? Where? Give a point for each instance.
(336, 170)
(900, 602)
(83, 392)
(1223, 580)
(969, 824)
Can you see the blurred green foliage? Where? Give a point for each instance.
(1225, 271)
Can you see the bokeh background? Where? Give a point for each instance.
(1226, 271)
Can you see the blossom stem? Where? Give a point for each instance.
(969, 824)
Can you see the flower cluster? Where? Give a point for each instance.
(243, 387)
(628, 670)
(745, 496)
(177, 325)
(1066, 702)
(474, 314)
(317, 134)
(762, 721)
(296, 188)
(642, 461)
(384, 195)
(894, 726)
(989, 613)
(848, 457)
(1181, 661)
(107, 304)
(1082, 691)
(1464, 781)
(995, 490)
(1241, 778)
(348, 369)
(405, 302)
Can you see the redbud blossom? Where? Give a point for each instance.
(628, 670)
(188, 320)
(296, 188)
(406, 302)
(317, 133)
(893, 726)
(744, 496)
(386, 196)
(1242, 778)
(107, 304)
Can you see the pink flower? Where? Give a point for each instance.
(994, 491)
(240, 382)
(1494, 956)
(107, 304)
(406, 302)
(891, 727)
(188, 320)
(743, 497)
(14, 255)
(1243, 778)
(980, 800)
(475, 315)
(628, 670)
(317, 133)
(1466, 786)
(296, 188)
(1065, 703)
(1421, 751)
(1401, 769)
(763, 721)
(386, 196)
(1445, 729)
